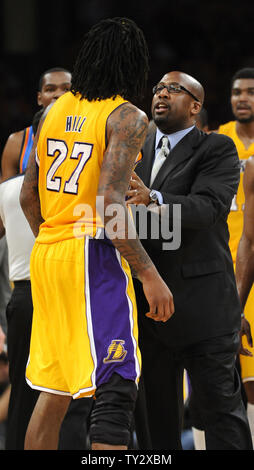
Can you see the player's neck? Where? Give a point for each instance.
(245, 132)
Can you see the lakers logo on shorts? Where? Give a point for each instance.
(116, 351)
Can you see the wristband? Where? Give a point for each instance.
(242, 315)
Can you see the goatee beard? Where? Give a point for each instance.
(246, 120)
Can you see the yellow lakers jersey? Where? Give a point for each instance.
(235, 218)
(69, 153)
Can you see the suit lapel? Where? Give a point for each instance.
(144, 168)
(181, 152)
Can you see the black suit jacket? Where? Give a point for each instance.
(202, 174)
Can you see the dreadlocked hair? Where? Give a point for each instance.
(112, 61)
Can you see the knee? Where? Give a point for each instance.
(43, 428)
(224, 398)
(112, 415)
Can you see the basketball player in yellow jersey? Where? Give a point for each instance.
(242, 132)
(84, 333)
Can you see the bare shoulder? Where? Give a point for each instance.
(10, 155)
(128, 109)
(127, 118)
(16, 136)
(126, 132)
(14, 141)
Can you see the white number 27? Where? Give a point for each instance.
(82, 149)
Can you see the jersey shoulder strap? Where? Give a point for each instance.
(26, 147)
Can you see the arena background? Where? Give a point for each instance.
(209, 40)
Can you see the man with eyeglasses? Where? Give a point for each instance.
(200, 172)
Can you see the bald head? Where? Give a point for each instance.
(189, 82)
(177, 100)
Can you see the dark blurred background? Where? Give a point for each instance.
(209, 40)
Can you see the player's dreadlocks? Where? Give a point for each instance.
(112, 61)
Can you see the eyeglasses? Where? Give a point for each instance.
(173, 88)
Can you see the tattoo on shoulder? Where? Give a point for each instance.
(132, 123)
(127, 133)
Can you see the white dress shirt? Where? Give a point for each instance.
(173, 140)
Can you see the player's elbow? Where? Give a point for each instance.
(109, 199)
(111, 205)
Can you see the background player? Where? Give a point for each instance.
(241, 130)
(52, 84)
(245, 266)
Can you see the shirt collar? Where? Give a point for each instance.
(173, 138)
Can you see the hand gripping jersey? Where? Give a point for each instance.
(70, 151)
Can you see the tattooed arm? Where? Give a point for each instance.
(29, 195)
(126, 131)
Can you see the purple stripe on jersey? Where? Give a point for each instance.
(110, 313)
